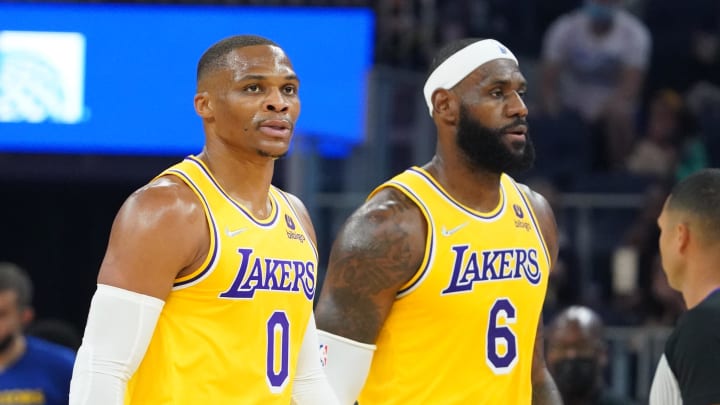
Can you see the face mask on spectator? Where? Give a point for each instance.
(600, 13)
(576, 377)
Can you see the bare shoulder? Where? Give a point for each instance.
(545, 217)
(159, 231)
(379, 248)
(539, 203)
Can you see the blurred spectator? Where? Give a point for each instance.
(685, 38)
(593, 62)
(577, 358)
(632, 305)
(56, 331)
(657, 152)
(404, 33)
(32, 371)
(703, 100)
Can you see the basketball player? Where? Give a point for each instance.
(435, 285)
(689, 370)
(206, 289)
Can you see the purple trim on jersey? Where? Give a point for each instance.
(431, 231)
(442, 192)
(535, 224)
(213, 225)
(282, 194)
(711, 293)
(267, 224)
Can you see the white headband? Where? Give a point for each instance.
(462, 63)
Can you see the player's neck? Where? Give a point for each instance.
(247, 181)
(474, 189)
(13, 353)
(699, 287)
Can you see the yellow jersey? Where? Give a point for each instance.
(462, 330)
(231, 331)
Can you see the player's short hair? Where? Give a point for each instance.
(699, 195)
(14, 278)
(214, 57)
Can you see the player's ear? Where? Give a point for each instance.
(203, 104)
(445, 106)
(27, 316)
(682, 236)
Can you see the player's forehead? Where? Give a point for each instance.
(259, 60)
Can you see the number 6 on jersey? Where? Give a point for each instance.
(501, 349)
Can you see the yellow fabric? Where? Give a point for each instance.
(463, 330)
(230, 332)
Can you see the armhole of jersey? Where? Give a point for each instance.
(210, 258)
(424, 267)
(292, 209)
(533, 218)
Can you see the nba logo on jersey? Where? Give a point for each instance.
(290, 223)
(518, 211)
(323, 355)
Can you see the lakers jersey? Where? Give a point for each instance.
(230, 332)
(462, 330)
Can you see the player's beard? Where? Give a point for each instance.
(270, 155)
(484, 148)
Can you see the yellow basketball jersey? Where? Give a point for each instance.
(231, 331)
(462, 331)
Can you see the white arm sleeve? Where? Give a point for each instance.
(118, 331)
(665, 389)
(347, 364)
(311, 386)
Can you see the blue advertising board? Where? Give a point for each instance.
(120, 78)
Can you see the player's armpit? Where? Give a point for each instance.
(379, 248)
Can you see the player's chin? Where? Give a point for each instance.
(273, 153)
(517, 148)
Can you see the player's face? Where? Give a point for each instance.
(11, 319)
(255, 101)
(489, 149)
(492, 129)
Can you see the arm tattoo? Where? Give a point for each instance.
(374, 255)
